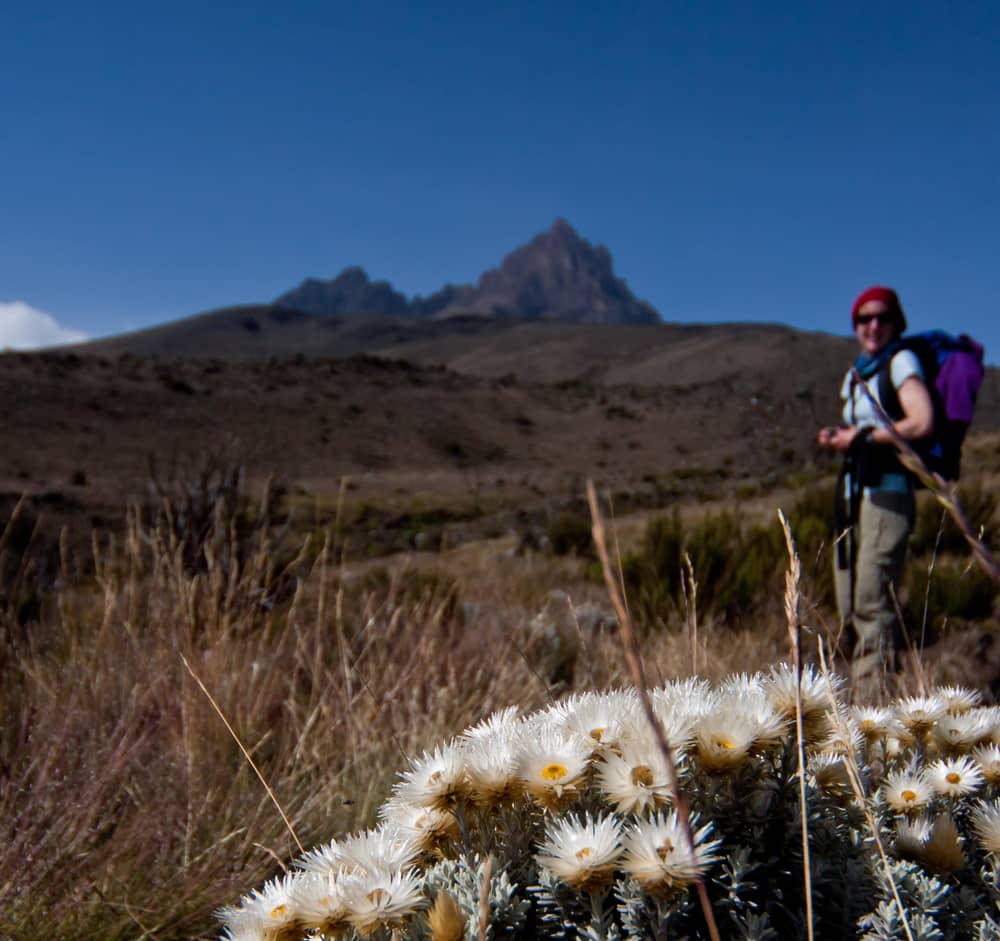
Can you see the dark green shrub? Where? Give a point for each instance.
(959, 590)
(569, 534)
(652, 574)
(980, 506)
(752, 575)
(738, 567)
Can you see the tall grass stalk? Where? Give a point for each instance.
(246, 753)
(792, 615)
(689, 586)
(633, 657)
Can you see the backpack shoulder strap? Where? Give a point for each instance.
(887, 395)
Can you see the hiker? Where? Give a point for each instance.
(875, 499)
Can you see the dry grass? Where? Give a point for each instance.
(128, 809)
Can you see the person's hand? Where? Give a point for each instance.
(824, 436)
(841, 439)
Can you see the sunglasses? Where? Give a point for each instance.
(884, 317)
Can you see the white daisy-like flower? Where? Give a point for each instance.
(658, 856)
(876, 722)
(959, 699)
(689, 697)
(986, 823)
(912, 834)
(897, 745)
(936, 844)
(491, 770)
(436, 779)
(960, 731)
(319, 905)
(844, 736)
(433, 830)
(817, 691)
(919, 713)
(993, 714)
(770, 725)
(955, 777)
(502, 723)
(552, 766)
(829, 773)
(723, 739)
(242, 924)
(988, 758)
(381, 899)
(636, 779)
(907, 792)
(269, 910)
(322, 859)
(743, 684)
(600, 717)
(388, 846)
(583, 852)
(676, 723)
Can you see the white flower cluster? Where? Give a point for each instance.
(589, 790)
(933, 758)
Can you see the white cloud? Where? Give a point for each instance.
(24, 328)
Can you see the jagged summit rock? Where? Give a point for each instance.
(560, 276)
(556, 276)
(351, 292)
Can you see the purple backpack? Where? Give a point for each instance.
(953, 371)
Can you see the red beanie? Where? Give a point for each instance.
(888, 297)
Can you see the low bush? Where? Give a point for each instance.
(738, 566)
(953, 590)
(569, 534)
(935, 531)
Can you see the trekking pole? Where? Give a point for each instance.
(945, 491)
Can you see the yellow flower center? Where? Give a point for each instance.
(597, 734)
(664, 850)
(909, 795)
(378, 896)
(642, 776)
(435, 777)
(727, 743)
(952, 777)
(554, 772)
(581, 855)
(278, 912)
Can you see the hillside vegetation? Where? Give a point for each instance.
(130, 810)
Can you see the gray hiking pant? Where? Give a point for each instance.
(867, 614)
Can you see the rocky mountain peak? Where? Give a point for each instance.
(351, 292)
(556, 276)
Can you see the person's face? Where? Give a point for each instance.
(875, 327)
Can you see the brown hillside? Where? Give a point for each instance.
(652, 413)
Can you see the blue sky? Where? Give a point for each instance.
(741, 161)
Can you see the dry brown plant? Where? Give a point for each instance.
(130, 811)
